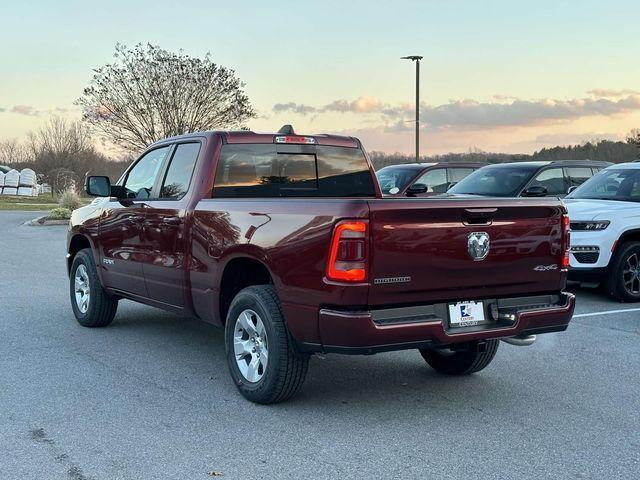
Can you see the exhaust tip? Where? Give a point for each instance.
(520, 340)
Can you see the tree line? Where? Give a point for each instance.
(604, 150)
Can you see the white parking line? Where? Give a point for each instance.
(607, 312)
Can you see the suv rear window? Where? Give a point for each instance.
(270, 170)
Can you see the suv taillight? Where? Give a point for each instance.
(348, 254)
(566, 237)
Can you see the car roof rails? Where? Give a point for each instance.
(286, 130)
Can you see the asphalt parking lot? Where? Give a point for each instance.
(150, 397)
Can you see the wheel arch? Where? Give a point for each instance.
(77, 242)
(241, 272)
(632, 235)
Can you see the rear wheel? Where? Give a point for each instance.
(623, 280)
(91, 304)
(262, 358)
(461, 362)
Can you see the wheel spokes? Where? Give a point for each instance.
(82, 288)
(241, 347)
(246, 323)
(250, 345)
(631, 274)
(252, 369)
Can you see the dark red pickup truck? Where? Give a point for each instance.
(286, 241)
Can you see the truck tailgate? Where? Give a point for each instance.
(419, 249)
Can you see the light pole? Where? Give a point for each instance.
(416, 58)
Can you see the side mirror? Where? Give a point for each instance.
(535, 191)
(416, 189)
(98, 186)
(451, 184)
(571, 189)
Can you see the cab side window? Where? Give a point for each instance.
(176, 181)
(143, 174)
(553, 180)
(435, 180)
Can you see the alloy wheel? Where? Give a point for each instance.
(631, 274)
(250, 346)
(82, 288)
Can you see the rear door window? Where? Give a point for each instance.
(553, 180)
(435, 180)
(176, 181)
(269, 170)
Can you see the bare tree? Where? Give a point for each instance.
(11, 151)
(148, 93)
(633, 138)
(62, 152)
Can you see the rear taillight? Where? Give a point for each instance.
(348, 254)
(566, 237)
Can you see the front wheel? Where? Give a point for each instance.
(92, 305)
(262, 358)
(623, 281)
(461, 362)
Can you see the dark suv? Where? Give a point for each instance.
(529, 179)
(422, 179)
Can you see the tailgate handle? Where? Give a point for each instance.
(479, 216)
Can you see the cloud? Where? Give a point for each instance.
(473, 114)
(294, 108)
(604, 92)
(24, 110)
(360, 105)
(504, 97)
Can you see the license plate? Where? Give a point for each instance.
(466, 314)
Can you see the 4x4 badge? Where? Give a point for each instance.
(478, 245)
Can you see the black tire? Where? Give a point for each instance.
(615, 283)
(462, 362)
(101, 306)
(286, 368)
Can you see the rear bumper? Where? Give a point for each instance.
(428, 326)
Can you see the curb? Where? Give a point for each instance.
(43, 222)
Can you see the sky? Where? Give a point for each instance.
(500, 76)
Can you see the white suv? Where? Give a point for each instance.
(605, 230)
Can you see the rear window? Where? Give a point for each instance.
(266, 170)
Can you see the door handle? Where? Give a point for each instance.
(171, 220)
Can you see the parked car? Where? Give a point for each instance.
(529, 179)
(4, 169)
(605, 231)
(422, 179)
(286, 242)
